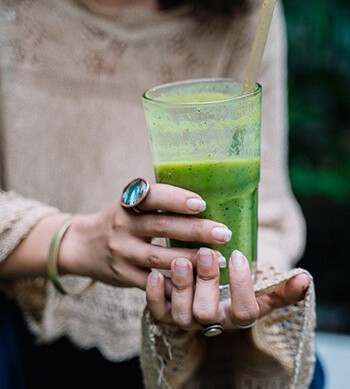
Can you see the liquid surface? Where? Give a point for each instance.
(195, 97)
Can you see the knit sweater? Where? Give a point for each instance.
(73, 134)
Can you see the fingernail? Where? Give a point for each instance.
(221, 233)
(154, 277)
(198, 205)
(181, 266)
(237, 259)
(205, 256)
(305, 280)
(222, 262)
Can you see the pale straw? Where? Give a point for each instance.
(259, 43)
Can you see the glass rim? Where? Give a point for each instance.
(146, 97)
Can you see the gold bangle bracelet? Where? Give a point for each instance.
(53, 256)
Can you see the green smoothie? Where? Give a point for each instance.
(230, 189)
(205, 137)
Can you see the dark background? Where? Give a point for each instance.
(319, 119)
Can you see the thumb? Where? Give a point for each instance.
(288, 293)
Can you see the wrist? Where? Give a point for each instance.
(79, 245)
(29, 259)
(53, 259)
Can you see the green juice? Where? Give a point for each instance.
(230, 189)
(205, 137)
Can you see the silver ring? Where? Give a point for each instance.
(212, 330)
(134, 193)
(246, 326)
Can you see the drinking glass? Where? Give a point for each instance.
(205, 137)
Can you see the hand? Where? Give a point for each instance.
(114, 245)
(193, 305)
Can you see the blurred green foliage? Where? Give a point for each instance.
(319, 97)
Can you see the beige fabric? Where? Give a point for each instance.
(278, 352)
(17, 216)
(73, 134)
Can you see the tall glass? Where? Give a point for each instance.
(205, 137)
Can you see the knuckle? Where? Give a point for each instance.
(114, 247)
(157, 315)
(181, 284)
(116, 272)
(208, 276)
(204, 314)
(182, 320)
(159, 225)
(120, 221)
(240, 285)
(196, 228)
(154, 260)
(246, 315)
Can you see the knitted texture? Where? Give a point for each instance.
(74, 134)
(278, 352)
(17, 217)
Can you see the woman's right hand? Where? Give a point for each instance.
(114, 244)
(193, 302)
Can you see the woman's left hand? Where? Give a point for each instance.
(193, 302)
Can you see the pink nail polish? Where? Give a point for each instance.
(154, 277)
(237, 259)
(222, 262)
(181, 266)
(205, 256)
(221, 233)
(196, 205)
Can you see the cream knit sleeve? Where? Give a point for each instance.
(17, 216)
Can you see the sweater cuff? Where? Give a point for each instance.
(18, 216)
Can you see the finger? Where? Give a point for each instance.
(182, 292)
(155, 297)
(184, 228)
(140, 253)
(146, 255)
(288, 293)
(206, 308)
(172, 199)
(127, 275)
(244, 307)
(221, 259)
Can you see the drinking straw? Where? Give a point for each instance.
(259, 43)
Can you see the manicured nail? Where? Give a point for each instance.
(221, 233)
(222, 262)
(237, 259)
(305, 280)
(196, 205)
(154, 277)
(181, 266)
(205, 256)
